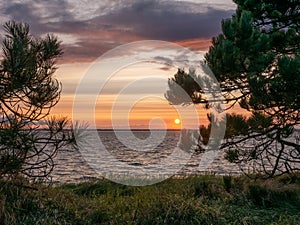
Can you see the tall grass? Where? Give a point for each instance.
(196, 200)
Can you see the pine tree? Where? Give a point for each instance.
(256, 60)
(28, 139)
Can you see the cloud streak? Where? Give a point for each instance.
(89, 28)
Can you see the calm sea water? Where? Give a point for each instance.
(72, 167)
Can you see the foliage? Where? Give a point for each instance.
(28, 139)
(256, 60)
(194, 200)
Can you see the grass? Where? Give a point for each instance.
(204, 200)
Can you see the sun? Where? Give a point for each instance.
(177, 121)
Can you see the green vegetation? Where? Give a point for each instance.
(28, 92)
(256, 60)
(196, 200)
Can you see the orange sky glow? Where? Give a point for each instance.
(142, 112)
(89, 29)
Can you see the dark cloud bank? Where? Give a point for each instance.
(131, 20)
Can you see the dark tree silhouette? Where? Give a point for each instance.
(28, 139)
(256, 60)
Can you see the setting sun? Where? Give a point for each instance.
(177, 121)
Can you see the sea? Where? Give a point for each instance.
(138, 152)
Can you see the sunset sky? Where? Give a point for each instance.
(90, 28)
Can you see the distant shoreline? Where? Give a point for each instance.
(138, 129)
